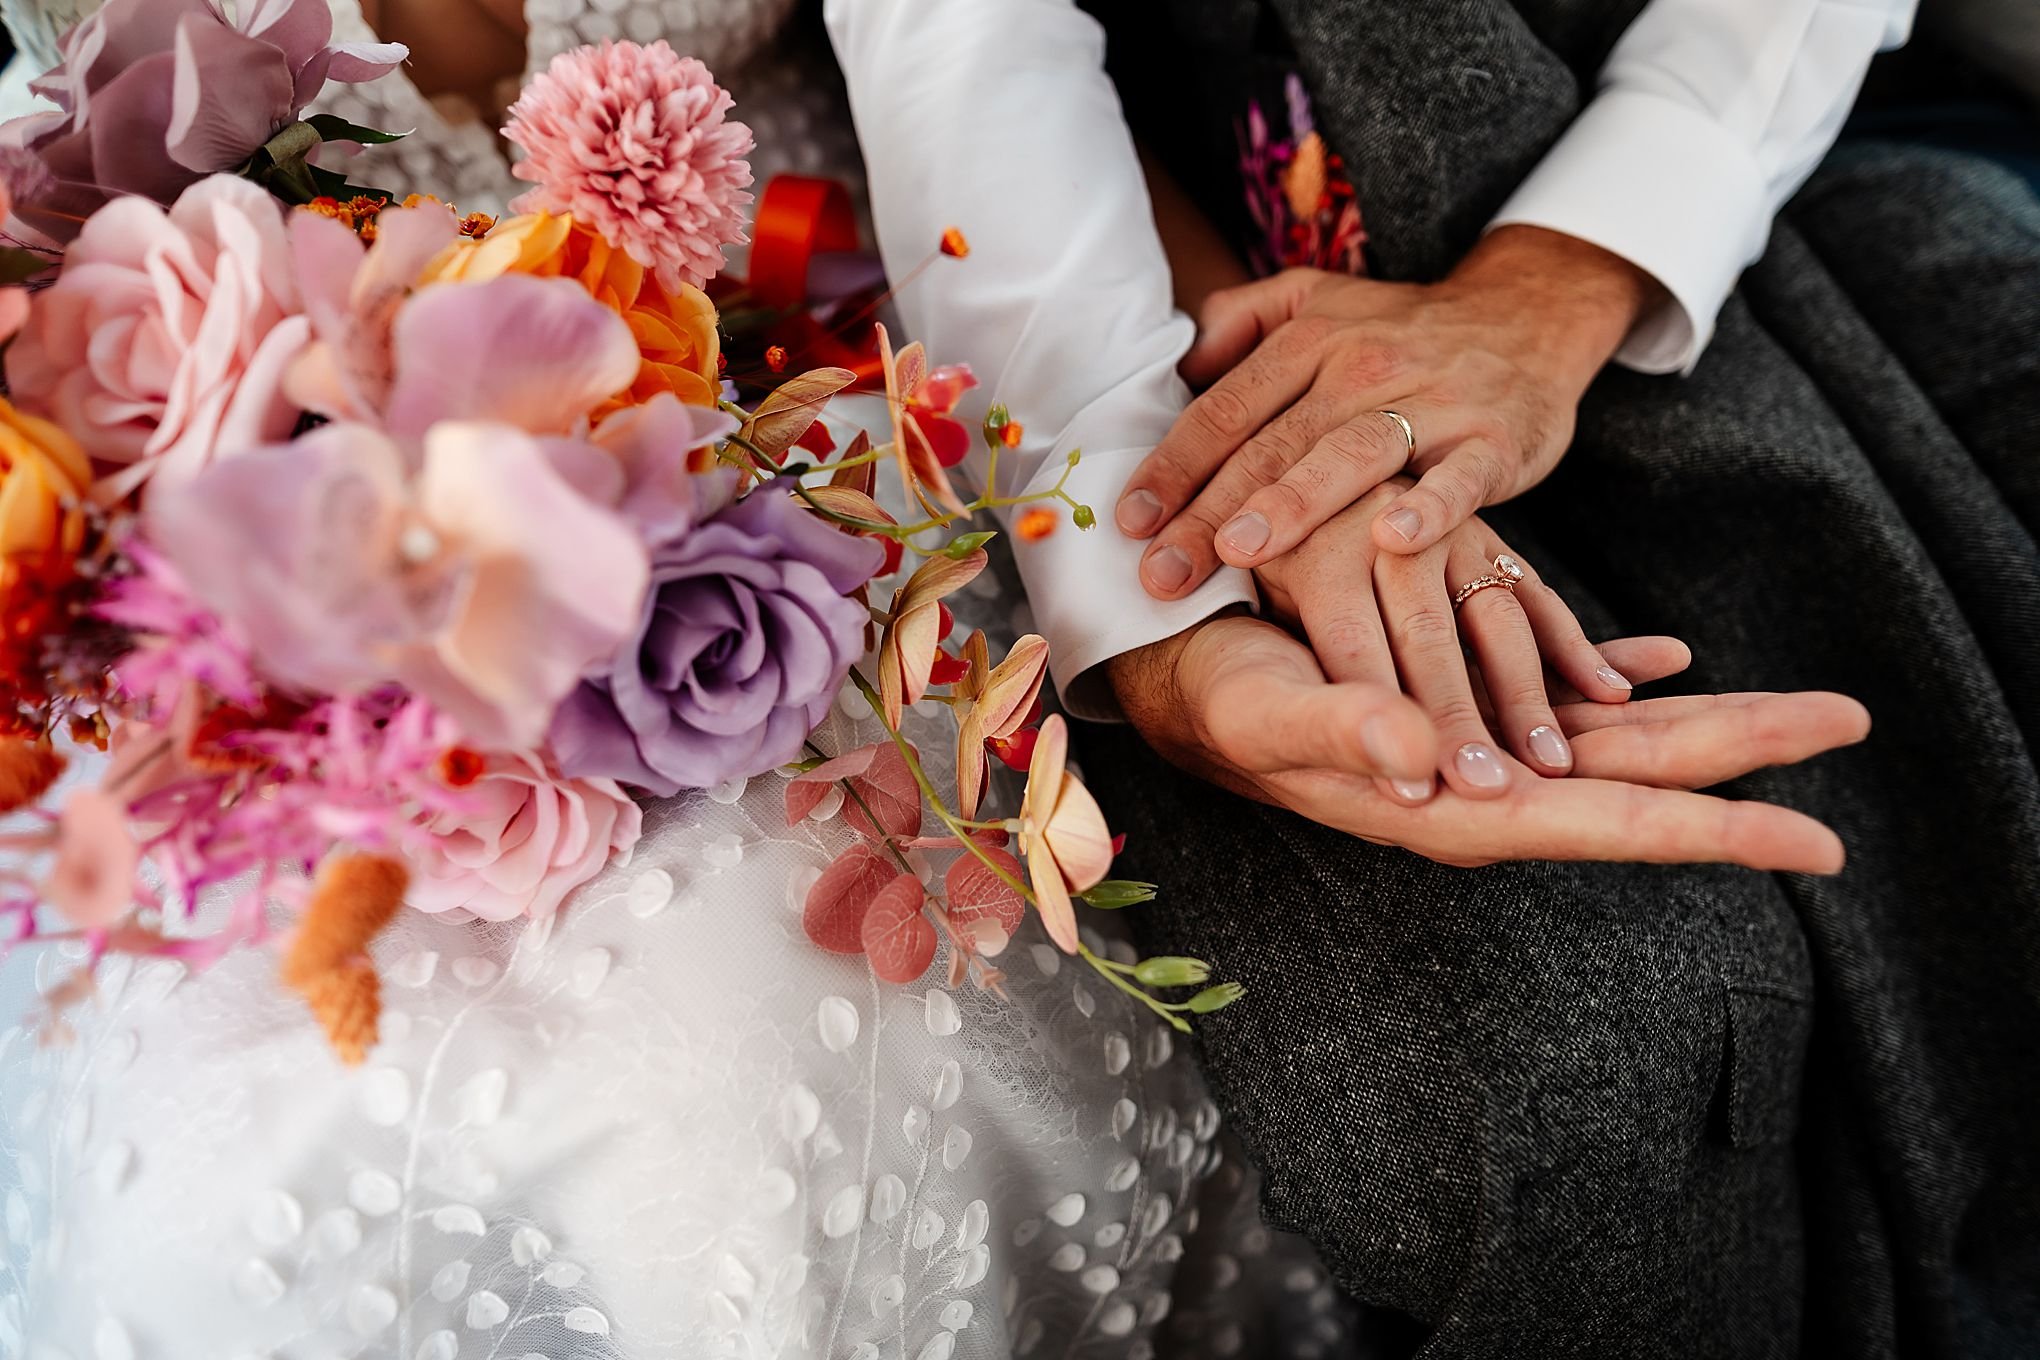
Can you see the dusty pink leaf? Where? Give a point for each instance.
(1013, 686)
(862, 477)
(837, 903)
(897, 937)
(785, 415)
(889, 790)
(976, 893)
(940, 575)
(805, 791)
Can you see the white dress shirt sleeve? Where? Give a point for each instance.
(996, 117)
(1710, 113)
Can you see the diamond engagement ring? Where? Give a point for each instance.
(1508, 574)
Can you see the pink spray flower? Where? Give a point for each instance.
(632, 141)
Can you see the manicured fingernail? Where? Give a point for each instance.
(1138, 513)
(1169, 569)
(1412, 790)
(1378, 740)
(1550, 749)
(1405, 522)
(1246, 534)
(1480, 766)
(1608, 675)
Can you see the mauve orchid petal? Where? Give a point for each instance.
(535, 353)
(121, 162)
(658, 445)
(551, 566)
(294, 543)
(230, 95)
(352, 297)
(124, 32)
(300, 28)
(352, 63)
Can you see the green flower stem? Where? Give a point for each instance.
(865, 808)
(1110, 972)
(955, 825)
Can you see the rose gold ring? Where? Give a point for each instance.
(1508, 574)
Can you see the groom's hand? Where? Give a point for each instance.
(1242, 703)
(1488, 367)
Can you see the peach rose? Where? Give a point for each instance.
(528, 840)
(164, 341)
(43, 480)
(675, 331)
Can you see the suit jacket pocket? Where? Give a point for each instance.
(1763, 1062)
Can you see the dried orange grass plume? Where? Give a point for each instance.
(328, 963)
(27, 769)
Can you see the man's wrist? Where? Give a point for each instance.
(1577, 301)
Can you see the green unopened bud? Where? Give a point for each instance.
(996, 420)
(1084, 517)
(1115, 893)
(965, 544)
(1216, 998)
(1172, 970)
(1076, 457)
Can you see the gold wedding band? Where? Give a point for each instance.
(1508, 573)
(1402, 422)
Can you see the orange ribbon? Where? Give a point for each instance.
(798, 218)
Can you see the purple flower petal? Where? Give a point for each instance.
(230, 95)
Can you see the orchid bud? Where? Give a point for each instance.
(1172, 971)
(1216, 998)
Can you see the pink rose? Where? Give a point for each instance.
(527, 840)
(164, 341)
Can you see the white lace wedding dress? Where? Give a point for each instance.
(668, 1126)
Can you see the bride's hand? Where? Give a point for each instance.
(1232, 700)
(1376, 616)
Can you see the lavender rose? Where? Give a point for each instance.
(747, 636)
(154, 95)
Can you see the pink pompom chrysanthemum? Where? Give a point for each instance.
(632, 142)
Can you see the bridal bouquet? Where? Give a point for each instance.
(391, 553)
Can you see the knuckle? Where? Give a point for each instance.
(1425, 629)
(1456, 714)
(1461, 485)
(1221, 413)
(1351, 448)
(1268, 457)
(1306, 333)
(1288, 501)
(1371, 363)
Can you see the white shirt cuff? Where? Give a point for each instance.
(1084, 584)
(1667, 188)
